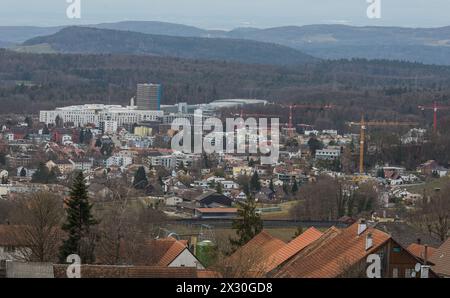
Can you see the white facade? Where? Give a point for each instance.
(186, 259)
(166, 161)
(13, 253)
(110, 127)
(173, 201)
(82, 165)
(120, 161)
(227, 185)
(328, 154)
(97, 114)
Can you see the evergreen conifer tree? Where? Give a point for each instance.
(78, 224)
(248, 223)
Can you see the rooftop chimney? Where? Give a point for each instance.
(362, 226)
(369, 241)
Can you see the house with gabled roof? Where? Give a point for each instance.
(264, 253)
(441, 260)
(165, 252)
(344, 253)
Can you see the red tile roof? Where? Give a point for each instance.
(103, 271)
(256, 252)
(153, 252)
(333, 253)
(293, 247)
(217, 210)
(174, 251)
(441, 259)
(418, 251)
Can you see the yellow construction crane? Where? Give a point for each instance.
(363, 124)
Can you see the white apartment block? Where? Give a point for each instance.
(98, 114)
(109, 127)
(328, 154)
(166, 161)
(120, 161)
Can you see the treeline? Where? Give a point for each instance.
(380, 89)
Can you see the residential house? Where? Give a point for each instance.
(242, 171)
(64, 166)
(212, 199)
(119, 161)
(328, 154)
(100, 271)
(170, 252)
(441, 260)
(18, 160)
(265, 194)
(422, 252)
(100, 192)
(215, 213)
(228, 185)
(430, 168)
(287, 174)
(264, 253)
(166, 161)
(172, 201)
(82, 164)
(344, 253)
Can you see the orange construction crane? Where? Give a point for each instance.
(363, 124)
(435, 107)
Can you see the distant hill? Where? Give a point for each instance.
(425, 45)
(5, 44)
(158, 28)
(19, 34)
(84, 40)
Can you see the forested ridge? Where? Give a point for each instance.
(83, 40)
(381, 89)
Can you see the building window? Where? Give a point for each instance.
(10, 249)
(395, 273)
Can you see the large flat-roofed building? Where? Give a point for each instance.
(98, 113)
(149, 96)
(328, 154)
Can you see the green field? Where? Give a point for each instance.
(429, 186)
(283, 214)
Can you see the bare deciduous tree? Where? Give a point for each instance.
(125, 227)
(433, 213)
(40, 216)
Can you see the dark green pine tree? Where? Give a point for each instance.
(78, 224)
(41, 174)
(45, 130)
(219, 188)
(271, 186)
(81, 138)
(23, 172)
(255, 185)
(140, 179)
(98, 143)
(295, 187)
(248, 223)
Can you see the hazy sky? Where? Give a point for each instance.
(227, 14)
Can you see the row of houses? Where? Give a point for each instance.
(338, 253)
